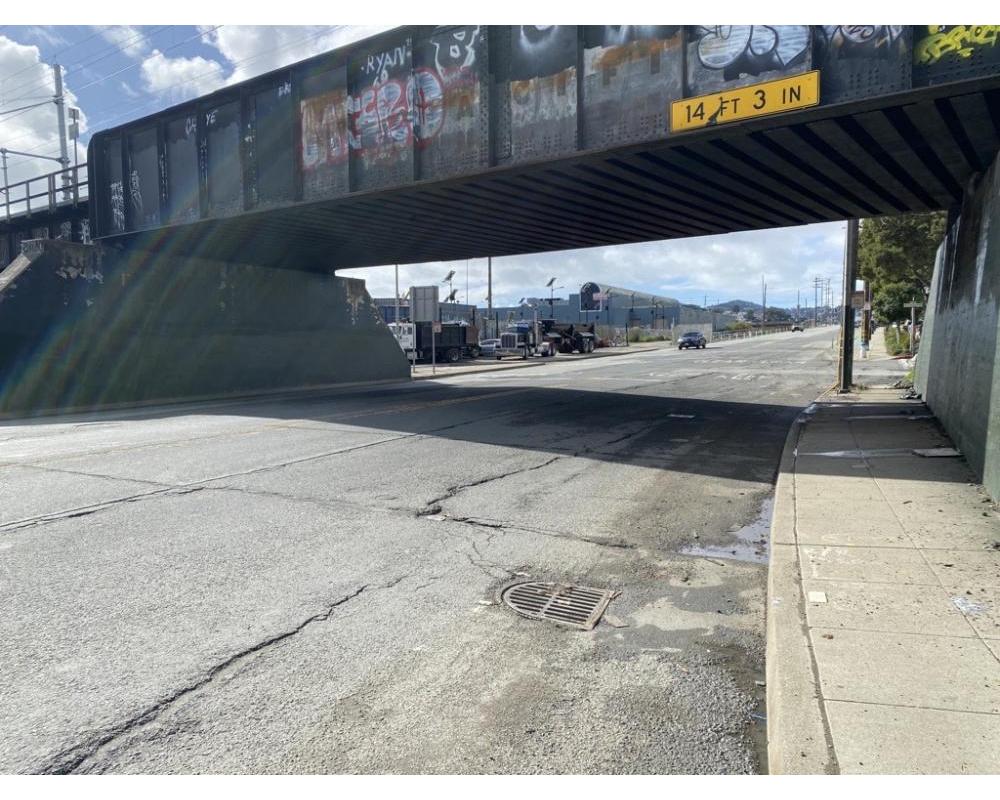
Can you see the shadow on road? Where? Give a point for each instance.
(706, 437)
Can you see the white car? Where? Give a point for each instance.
(487, 347)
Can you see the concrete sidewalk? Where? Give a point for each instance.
(883, 651)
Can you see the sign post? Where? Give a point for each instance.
(913, 306)
(435, 329)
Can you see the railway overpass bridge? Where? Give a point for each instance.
(429, 144)
(220, 223)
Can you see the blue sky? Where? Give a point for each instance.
(117, 73)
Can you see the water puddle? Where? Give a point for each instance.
(751, 542)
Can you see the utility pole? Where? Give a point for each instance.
(763, 306)
(396, 320)
(817, 282)
(61, 110)
(846, 376)
(798, 305)
(489, 290)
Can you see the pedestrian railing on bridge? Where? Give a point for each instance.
(45, 193)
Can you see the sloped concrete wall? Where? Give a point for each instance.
(958, 368)
(82, 326)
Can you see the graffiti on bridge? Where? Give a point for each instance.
(727, 56)
(117, 206)
(872, 41)
(751, 49)
(959, 41)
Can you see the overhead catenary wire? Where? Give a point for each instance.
(143, 61)
(102, 55)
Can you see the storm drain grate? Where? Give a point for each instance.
(576, 606)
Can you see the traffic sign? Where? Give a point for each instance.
(746, 102)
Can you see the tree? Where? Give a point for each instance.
(777, 314)
(900, 249)
(896, 254)
(888, 303)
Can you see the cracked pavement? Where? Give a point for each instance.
(311, 583)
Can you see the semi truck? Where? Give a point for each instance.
(570, 337)
(524, 339)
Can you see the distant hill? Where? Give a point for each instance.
(743, 305)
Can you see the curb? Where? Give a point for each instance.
(798, 741)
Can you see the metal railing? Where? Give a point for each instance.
(44, 193)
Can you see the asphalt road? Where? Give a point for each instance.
(310, 584)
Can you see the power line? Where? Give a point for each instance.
(139, 63)
(25, 108)
(77, 43)
(102, 54)
(242, 62)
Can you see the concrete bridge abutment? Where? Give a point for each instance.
(88, 326)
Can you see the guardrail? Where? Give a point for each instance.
(45, 193)
(722, 336)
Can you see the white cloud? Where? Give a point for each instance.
(255, 49)
(130, 39)
(176, 79)
(724, 267)
(46, 34)
(128, 90)
(245, 51)
(36, 130)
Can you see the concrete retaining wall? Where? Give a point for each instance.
(82, 326)
(958, 368)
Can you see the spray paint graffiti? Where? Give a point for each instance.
(617, 35)
(135, 191)
(117, 199)
(542, 90)
(380, 116)
(871, 41)
(631, 73)
(447, 114)
(429, 104)
(455, 49)
(862, 60)
(538, 50)
(959, 41)
(751, 49)
(324, 129)
(379, 65)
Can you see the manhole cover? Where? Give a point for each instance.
(576, 606)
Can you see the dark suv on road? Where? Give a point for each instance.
(691, 339)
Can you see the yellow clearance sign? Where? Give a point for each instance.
(746, 102)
